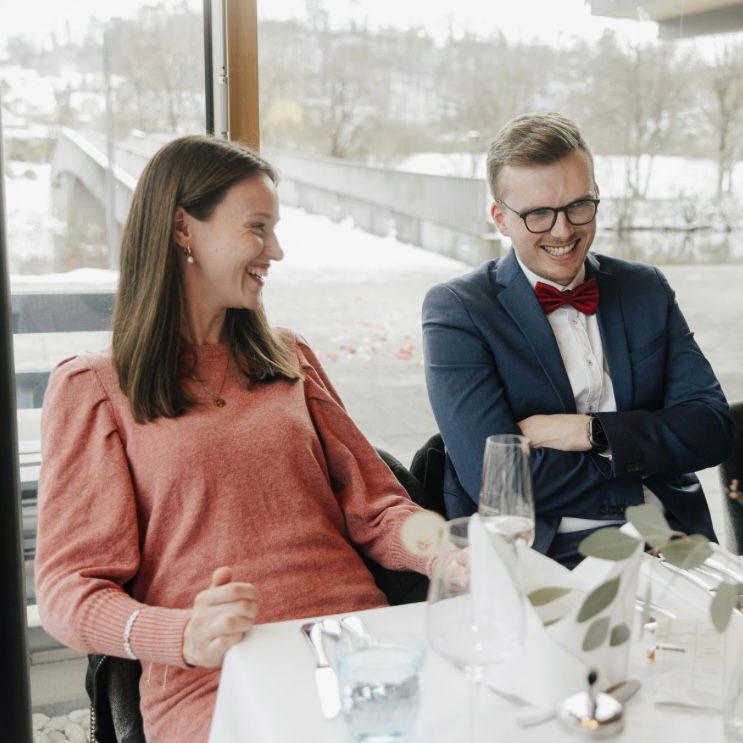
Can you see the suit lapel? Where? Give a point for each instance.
(613, 332)
(519, 301)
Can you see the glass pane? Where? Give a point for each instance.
(379, 116)
(89, 91)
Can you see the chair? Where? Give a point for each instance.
(732, 469)
(428, 467)
(113, 687)
(400, 587)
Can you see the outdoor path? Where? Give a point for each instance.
(356, 298)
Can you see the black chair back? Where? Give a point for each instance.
(428, 468)
(400, 587)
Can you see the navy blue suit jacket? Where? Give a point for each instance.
(492, 360)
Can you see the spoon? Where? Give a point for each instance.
(531, 715)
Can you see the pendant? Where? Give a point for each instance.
(219, 402)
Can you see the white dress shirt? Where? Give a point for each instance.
(579, 340)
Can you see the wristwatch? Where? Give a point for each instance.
(596, 436)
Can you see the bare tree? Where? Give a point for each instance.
(159, 85)
(639, 106)
(725, 84)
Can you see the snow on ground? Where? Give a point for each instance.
(311, 244)
(29, 220)
(315, 243)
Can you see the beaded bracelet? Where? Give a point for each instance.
(127, 634)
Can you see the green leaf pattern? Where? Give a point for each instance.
(687, 552)
(542, 596)
(651, 524)
(596, 634)
(608, 544)
(598, 599)
(619, 635)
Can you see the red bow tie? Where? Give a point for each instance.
(585, 297)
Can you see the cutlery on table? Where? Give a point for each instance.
(653, 609)
(325, 678)
(690, 577)
(356, 628)
(529, 716)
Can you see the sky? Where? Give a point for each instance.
(545, 19)
(548, 20)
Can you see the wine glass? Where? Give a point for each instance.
(475, 612)
(506, 500)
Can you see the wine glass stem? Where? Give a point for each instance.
(475, 682)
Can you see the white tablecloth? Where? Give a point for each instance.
(267, 691)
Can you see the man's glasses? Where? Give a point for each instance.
(543, 219)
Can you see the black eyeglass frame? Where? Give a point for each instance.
(555, 212)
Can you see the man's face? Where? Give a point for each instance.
(558, 254)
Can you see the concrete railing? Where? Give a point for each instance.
(445, 214)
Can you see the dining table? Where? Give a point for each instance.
(267, 689)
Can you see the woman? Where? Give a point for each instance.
(202, 475)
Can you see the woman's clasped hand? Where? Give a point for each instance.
(221, 615)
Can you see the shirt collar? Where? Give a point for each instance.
(532, 278)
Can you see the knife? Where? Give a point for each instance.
(325, 679)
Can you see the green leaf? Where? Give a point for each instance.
(687, 552)
(619, 635)
(542, 596)
(723, 604)
(596, 634)
(650, 522)
(598, 599)
(608, 544)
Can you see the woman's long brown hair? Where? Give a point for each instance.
(194, 173)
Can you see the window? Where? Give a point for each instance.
(89, 92)
(379, 117)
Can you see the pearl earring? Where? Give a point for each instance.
(189, 255)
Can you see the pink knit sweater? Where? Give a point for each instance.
(277, 484)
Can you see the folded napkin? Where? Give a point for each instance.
(496, 596)
(551, 663)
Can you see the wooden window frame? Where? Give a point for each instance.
(242, 70)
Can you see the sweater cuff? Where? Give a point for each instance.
(408, 561)
(156, 634)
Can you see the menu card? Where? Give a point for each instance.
(690, 670)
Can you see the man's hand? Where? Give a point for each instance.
(221, 616)
(566, 432)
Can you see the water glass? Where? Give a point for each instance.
(380, 688)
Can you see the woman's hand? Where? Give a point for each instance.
(220, 617)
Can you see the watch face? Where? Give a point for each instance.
(598, 437)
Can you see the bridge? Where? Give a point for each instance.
(379, 200)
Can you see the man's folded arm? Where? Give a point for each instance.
(470, 403)
(693, 430)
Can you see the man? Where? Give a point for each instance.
(588, 356)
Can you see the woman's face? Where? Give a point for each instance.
(233, 249)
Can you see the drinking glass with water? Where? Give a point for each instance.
(380, 687)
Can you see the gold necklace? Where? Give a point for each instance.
(217, 400)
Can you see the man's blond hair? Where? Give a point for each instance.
(534, 139)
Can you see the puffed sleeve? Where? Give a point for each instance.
(374, 504)
(88, 534)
